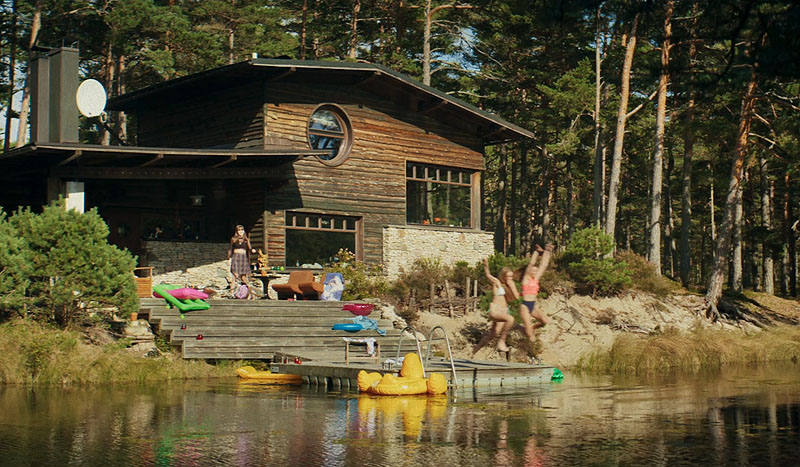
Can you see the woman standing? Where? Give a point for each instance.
(530, 276)
(502, 321)
(239, 255)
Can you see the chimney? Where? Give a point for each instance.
(54, 84)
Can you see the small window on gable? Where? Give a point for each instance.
(329, 129)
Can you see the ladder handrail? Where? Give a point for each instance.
(400, 342)
(449, 353)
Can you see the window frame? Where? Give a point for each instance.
(347, 133)
(445, 175)
(356, 229)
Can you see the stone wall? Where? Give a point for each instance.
(166, 257)
(402, 245)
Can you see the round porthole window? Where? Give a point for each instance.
(329, 129)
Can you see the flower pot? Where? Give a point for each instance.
(134, 316)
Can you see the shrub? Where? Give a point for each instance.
(61, 266)
(588, 264)
(361, 281)
(645, 273)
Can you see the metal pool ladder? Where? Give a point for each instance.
(454, 379)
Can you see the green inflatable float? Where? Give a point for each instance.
(183, 305)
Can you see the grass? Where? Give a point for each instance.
(698, 349)
(36, 354)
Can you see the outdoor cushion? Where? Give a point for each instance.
(311, 288)
(295, 279)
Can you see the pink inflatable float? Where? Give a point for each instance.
(185, 293)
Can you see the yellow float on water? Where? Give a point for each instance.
(248, 372)
(410, 380)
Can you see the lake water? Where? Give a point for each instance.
(739, 416)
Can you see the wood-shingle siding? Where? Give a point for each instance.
(230, 117)
(371, 183)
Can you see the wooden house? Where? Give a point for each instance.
(310, 156)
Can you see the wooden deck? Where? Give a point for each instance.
(279, 331)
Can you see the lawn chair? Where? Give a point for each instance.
(300, 285)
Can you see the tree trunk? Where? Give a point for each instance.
(669, 226)
(426, 45)
(354, 30)
(303, 30)
(11, 67)
(570, 201)
(736, 267)
(500, 228)
(789, 284)
(616, 158)
(654, 252)
(547, 196)
(122, 120)
(108, 69)
(688, 153)
(722, 247)
(767, 266)
(36, 26)
(599, 188)
(514, 203)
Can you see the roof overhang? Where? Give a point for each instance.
(98, 161)
(377, 79)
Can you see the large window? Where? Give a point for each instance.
(329, 129)
(438, 195)
(315, 239)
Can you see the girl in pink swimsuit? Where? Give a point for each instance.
(530, 276)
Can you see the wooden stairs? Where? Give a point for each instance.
(266, 330)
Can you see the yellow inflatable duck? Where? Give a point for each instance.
(410, 380)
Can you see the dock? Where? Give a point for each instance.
(282, 332)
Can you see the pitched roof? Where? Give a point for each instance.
(378, 79)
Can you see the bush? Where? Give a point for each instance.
(645, 273)
(58, 266)
(588, 264)
(361, 281)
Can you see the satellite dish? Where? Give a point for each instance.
(91, 98)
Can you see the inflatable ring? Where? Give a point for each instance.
(349, 327)
(359, 309)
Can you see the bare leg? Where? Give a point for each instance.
(506, 321)
(527, 322)
(541, 318)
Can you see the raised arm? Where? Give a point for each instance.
(532, 262)
(548, 253)
(493, 280)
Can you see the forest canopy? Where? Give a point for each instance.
(671, 124)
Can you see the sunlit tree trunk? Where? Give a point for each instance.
(502, 215)
(768, 279)
(622, 115)
(789, 282)
(36, 26)
(303, 30)
(514, 204)
(736, 266)
(723, 243)
(688, 153)
(654, 251)
(11, 68)
(354, 30)
(599, 166)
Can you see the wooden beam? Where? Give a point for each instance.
(225, 162)
(432, 107)
(370, 77)
(286, 73)
(152, 161)
(158, 173)
(71, 158)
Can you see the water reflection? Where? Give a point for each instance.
(741, 416)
